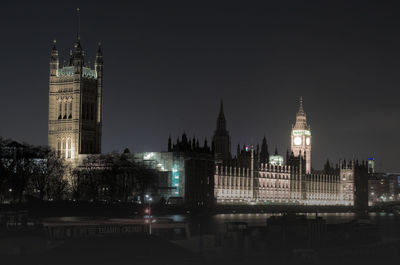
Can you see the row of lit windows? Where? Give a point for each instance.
(64, 148)
(65, 110)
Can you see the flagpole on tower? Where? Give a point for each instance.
(78, 23)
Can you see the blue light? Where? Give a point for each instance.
(175, 178)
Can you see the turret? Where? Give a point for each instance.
(78, 57)
(221, 139)
(54, 61)
(98, 65)
(169, 144)
(221, 122)
(264, 155)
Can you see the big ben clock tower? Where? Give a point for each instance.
(301, 137)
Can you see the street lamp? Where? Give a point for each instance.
(149, 200)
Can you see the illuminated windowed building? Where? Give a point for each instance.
(251, 178)
(75, 104)
(185, 171)
(301, 137)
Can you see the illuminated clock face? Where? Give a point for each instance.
(297, 140)
(308, 141)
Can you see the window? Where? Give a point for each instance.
(58, 148)
(69, 148)
(60, 110)
(70, 110)
(65, 110)
(63, 148)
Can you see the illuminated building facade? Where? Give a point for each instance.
(276, 160)
(171, 172)
(254, 177)
(186, 171)
(301, 137)
(276, 184)
(75, 104)
(383, 187)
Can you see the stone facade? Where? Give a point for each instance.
(251, 178)
(301, 137)
(75, 104)
(273, 184)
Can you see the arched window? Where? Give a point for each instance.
(70, 110)
(58, 148)
(64, 148)
(65, 109)
(59, 110)
(69, 148)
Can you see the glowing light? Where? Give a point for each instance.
(175, 179)
(148, 156)
(297, 140)
(301, 132)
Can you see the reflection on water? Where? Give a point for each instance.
(259, 219)
(388, 223)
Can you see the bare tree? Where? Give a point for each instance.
(56, 176)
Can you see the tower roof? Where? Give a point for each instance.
(221, 121)
(301, 110)
(221, 110)
(54, 45)
(301, 119)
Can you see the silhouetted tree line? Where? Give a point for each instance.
(112, 177)
(36, 173)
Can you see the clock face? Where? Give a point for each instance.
(308, 141)
(297, 140)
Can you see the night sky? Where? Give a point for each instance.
(168, 65)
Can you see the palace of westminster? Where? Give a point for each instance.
(251, 177)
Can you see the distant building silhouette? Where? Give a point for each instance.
(221, 141)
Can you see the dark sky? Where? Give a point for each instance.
(168, 65)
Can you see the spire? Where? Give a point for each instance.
(99, 55)
(99, 51)
(301, 110)
(169, 144)
(221, 122)
(78, 51)
(78, 24)
(301, 118)
(54, 45)
(54, 61)
(221, 139)
(221, 110)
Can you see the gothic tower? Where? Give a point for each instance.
(221, 139)
(301, 137)
(75, 104)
